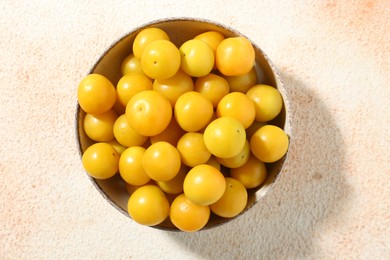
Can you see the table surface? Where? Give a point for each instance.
(332, 199)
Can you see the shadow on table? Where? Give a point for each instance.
(311, 189)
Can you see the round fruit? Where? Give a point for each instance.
(148, 112)
(160, 59)
(268, 101)
(242, 83)
(197, 58)
(96, 94)
(235, 56)
(173, 87)
(233, 200)
(252, 174)
(101, 161)
(212, 38)
(171, 134)
(204, 184)
(130, 166)
(188, 216)
(240, 159)
(224, 137)
(117, 146)
(131, 65)
(192, 149)
(175, 185)
(129, 85)
(193, 111)
(100, 127)
(239, 106)
(161, 161)
(125, 134)
(145, 37)
(213, 87)
(269, 143)
(148, 205)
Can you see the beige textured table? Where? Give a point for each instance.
(332, 200)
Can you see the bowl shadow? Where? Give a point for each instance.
(311, 188)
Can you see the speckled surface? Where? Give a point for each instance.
(332, 200)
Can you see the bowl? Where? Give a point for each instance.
(181, 29)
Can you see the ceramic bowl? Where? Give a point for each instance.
(180, 30)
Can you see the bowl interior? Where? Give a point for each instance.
(179, 30)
